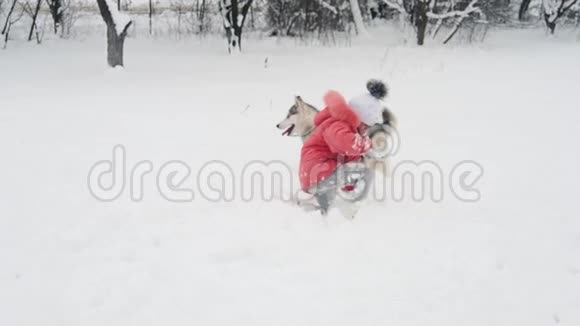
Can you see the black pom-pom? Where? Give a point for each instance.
(377, 88)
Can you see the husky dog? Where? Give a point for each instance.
(299, 122)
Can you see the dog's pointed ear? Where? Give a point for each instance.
(299, 103)
(298, 100)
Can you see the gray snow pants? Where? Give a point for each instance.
(354, 173)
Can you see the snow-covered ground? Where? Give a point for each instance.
(511, 258)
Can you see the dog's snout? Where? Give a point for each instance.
(278, 126)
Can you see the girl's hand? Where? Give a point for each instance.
(362, 129)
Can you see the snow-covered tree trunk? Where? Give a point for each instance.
(117, 26)
(234, 18)
(550, 11)
(357, 18)
(226, 8)
(416, 13)
(34, 17)
(56, 11)
(553, 10)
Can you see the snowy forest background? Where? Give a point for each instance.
(328, 22)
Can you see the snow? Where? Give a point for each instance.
(511, 258)
(471, 8)
(121, 19)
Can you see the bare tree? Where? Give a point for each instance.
(524, 6)
(56, 11)
(181, 8)
(117, 27)
(7, 21)
(322, 19)
(11, 19)
(420, 12)
(201, 10)
(150, 17)
(553, 10)
(281, 16)
(69, 16)
(234, 13)
(420, 19)
(458, 15)
(33, 13)
(357, 18)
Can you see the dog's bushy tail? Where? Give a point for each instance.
(377, 88)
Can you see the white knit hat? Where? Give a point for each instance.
(368, 106)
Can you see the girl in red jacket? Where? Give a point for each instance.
(332, 158)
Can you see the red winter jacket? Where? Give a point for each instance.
(335, 140)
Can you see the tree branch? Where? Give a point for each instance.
(328, 6)
(124, 32)
(471, 8)
(395, 5)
